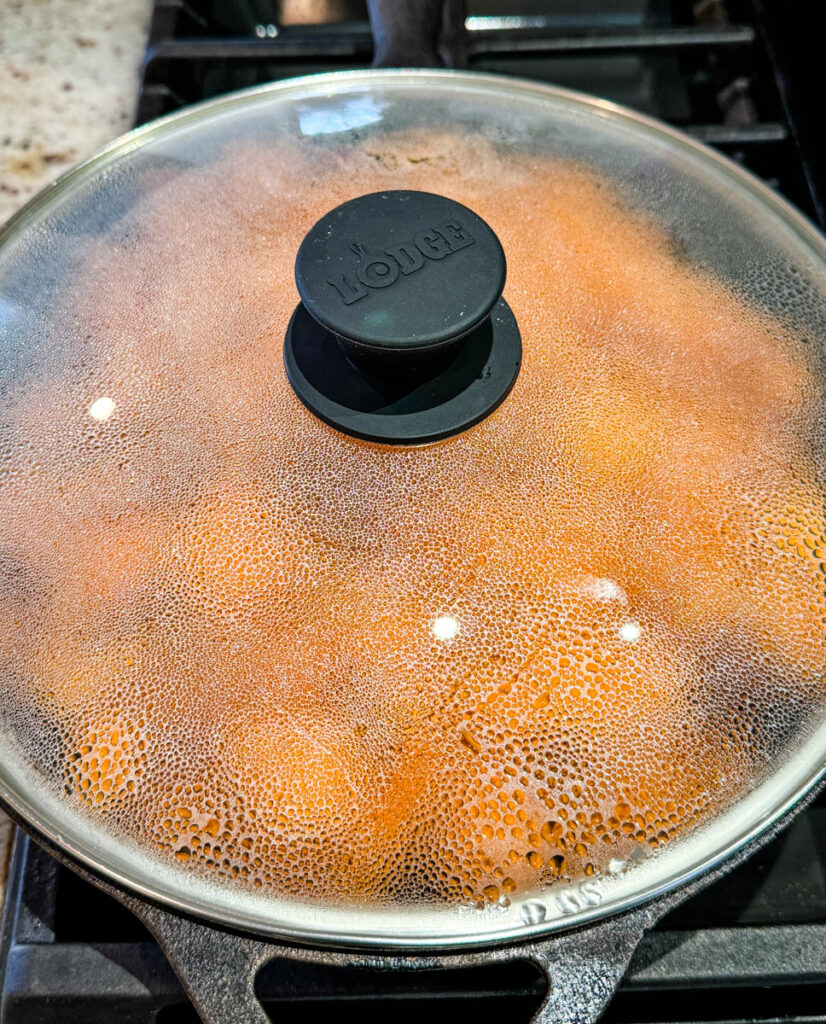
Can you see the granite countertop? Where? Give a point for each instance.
(68, 84)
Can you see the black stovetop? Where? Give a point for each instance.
(743, 75)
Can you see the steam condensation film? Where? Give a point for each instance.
(265, 652)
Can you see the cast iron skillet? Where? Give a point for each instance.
(583, 966)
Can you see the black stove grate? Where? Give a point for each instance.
(742, 75)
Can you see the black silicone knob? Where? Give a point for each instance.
(402, 335)
(400, 270)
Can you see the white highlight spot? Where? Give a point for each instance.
(445, 627)
(101, 410)
(340, 115)
(600, 588)
(630, 631)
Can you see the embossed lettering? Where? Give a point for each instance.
(590, 893)
(349, 290)
(378, 272)
(407, 256)
(379, 269)
(456, 235)
(568, 902)
(432, 244)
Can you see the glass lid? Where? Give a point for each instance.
(348, 597)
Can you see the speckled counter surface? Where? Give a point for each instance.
(68, 84)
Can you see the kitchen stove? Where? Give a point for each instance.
(742, 76)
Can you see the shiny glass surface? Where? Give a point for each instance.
(293, 681)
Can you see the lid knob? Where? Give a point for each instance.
(402, 335)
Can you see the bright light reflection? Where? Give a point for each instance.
(101, 410)
(630, 631)
(445, 627)
(340, 116)
(600, 588)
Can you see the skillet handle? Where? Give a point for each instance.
(584, 968)
(216, 968)
(417, 33)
